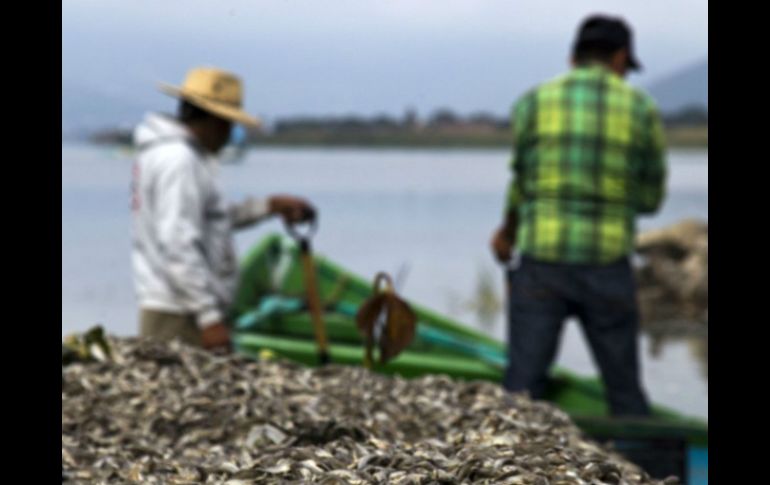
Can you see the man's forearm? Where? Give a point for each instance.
(249, 212)
(652, 186)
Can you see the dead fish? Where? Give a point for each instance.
(171, 414)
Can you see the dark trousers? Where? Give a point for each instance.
(603, 297)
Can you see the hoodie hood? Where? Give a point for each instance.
(158, 127)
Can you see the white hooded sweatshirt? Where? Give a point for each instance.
(183, 253)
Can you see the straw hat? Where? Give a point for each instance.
(216, 91)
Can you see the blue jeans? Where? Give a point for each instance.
(603, 297)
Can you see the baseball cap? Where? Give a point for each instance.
(609, 31)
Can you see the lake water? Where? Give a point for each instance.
(425, 215)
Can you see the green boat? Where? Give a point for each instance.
(271, 316)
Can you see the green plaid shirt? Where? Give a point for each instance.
(588, 157)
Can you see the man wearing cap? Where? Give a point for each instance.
(183, 253)
(588, 158)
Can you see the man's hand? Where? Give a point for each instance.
(292, 209)
(504, 239)
(215, 336)
(502, 246)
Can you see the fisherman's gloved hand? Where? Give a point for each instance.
(502, 246)
(215, 336)
(292, 209)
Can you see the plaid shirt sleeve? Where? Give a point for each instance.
(652, 171)
(520, 123)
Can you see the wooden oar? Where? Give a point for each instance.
(311, 285)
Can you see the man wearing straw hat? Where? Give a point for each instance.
(589, 158)
(183, 253)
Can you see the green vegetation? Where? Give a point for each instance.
(687, 128)
(435, 139)
(688, 136)
(676, 137)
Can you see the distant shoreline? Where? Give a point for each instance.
(676, 137)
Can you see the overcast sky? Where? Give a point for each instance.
(359, 56)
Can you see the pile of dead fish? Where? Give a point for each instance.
(673, 275)
(172, 414)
